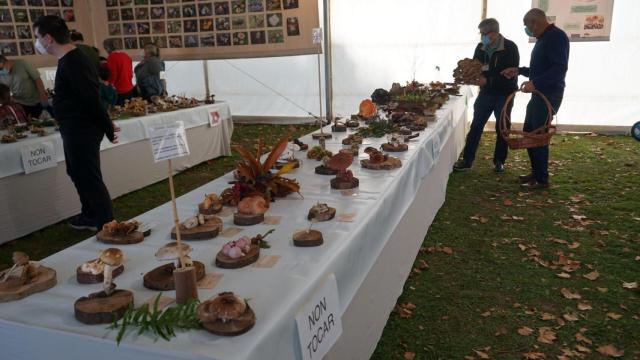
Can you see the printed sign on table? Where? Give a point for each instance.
(214, 118)
(319, 322)
(168, 141)
(39, 156)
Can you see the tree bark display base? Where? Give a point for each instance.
(309, 238)
(233, 327)
(89, 278)
(247, 220)
(133, 238)
(395, 148)
(100, 308)
(11, 290)
(323, 170)
(161, 278)
(225, 262)
(209, 230)
(343, 184)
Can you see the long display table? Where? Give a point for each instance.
(370, 258)
(29, 202)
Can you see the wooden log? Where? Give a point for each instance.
(343, 184)
(304, 238)
(233, 327)
(161, 278)
(13, 290)
(323, 170)
(247, 220)
(89, 278)
(186, 284)
(100, 308)
(386, 165)
(209, 230)
(395, 148)
(225, 262)
(133, 238)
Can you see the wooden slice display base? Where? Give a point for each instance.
(209, 230)
(247, 220)
(11, 289)
(323, 170)
(395, 148)
(386, 165)
(89, 278)
(98, 308)
(318, 136)
(214, 209)
(309, 238)
(280, 165)
(133, 238)
(353, 124)
(342, 184)
(326, 216)
(338, 128)
(161, 278)
(416, 127)
(405, 131)
(225, 262)
(235, 327)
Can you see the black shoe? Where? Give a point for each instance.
(523, 179)
(534, 185)
(82, 223)
(461, 165)
(499, 167)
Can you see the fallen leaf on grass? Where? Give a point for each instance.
(546, 335)
(481, 354)
(507, 202)
(613, 315)
(547, 316)
(584, 306)
(637, 258)
(578, 217)
(574, 245)
(594, 275)
(570, 295)
(405, 310)
(447, 250)
(486, 314)
(583, 339)
(610, 351)
(570, 317)
(602, 290)
(630, 285)
(583, 349)
(409, 355)
(525, 331)
(534, 356)
(563, 275)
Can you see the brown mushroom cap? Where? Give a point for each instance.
(171, 251)
(112, 257)
(226, 306)
(20, 258)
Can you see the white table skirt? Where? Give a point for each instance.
(29, 202)
(350, 250)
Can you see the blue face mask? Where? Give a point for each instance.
(528, 31)
(485, 39)
(4, 72)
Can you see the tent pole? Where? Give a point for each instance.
(205, 68)
(484, 10)
(328, 73)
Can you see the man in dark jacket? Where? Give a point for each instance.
(496, 54)
(546, 73)
(83, 120)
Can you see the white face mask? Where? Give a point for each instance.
(40, 48)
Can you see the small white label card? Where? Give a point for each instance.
(231, 232)
(272, 220)
(162, 303)
(347, 217)
(319, 321)
(39, 156)
(317, 35)
(209, 281)
(214, 118)
(267, 262)
(168, 141)
(226, 211)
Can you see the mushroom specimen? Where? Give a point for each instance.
(171, 252)
(253, 205)
(237, 249)
(111, 258)
(22, 269)
(225, 307)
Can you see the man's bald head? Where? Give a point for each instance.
(536, 20)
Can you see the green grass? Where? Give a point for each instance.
(480, 295)
(54, 238)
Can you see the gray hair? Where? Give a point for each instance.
(110, 45)
(489, 25)
(535, 14)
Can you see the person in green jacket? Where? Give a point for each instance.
(91, 52)
(108, 93)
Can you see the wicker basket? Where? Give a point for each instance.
(517, 139)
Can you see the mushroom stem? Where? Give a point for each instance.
(107, 279)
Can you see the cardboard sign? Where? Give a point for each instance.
(214, 118)
(39, 156)
(319, 321)
(168, 141)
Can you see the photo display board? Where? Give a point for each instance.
(582, 20)
(189, 29)
(184, 29)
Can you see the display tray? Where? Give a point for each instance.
(45, 280)
(161, 278)
(89, 278)
(225, 262)
(234, 327)
(98, 308)
(133, 238)
(209, 230)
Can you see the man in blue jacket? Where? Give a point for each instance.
(546, 73)
(496, 54)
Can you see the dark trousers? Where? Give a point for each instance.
(82, 156)
(33, 111)
(126, 96)
(535, 118)
(484, 106)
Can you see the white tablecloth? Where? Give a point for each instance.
(29, 202)
(276, 294)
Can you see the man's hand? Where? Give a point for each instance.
(116, 130)
(510, 73)
(482, 82)
(527, 87)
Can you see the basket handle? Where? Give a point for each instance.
(505, 119)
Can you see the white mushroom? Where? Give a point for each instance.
(111, 258)
(190, 223)
(171, 252)
(94, 267)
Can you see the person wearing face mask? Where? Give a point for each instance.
(82, 119)
(546, 72)
(496, 54)
(148, 73)
(25, 84)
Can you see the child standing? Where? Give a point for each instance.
(108, 93)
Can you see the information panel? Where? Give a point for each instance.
(582, 20)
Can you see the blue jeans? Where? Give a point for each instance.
(535, 118)
(484, 106)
